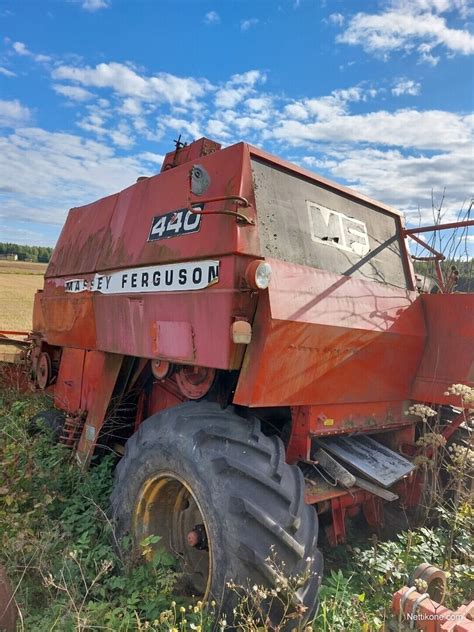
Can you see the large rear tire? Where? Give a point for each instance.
(225, 503)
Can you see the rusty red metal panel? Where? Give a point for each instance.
(130, 225)
(174, 338)
(207, 314)
(118, 228)
(84, 320)
(370, 416)
(84, 236)
(68, 387)
(322, 420)
(449, 355)
(99, 378)
(185, 153)
(321, 338)
(39, 323)
(68, 321)
(163, 396)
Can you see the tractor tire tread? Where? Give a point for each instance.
(257, 494)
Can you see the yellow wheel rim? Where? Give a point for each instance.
(167, 507)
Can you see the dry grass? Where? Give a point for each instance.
(17, 293)
(22, 267)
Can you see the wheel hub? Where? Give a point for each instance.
(198, 538)
(168, 508)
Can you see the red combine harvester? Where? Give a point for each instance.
(252, 333)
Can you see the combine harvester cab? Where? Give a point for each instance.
(239, 322)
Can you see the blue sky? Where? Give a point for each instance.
(377, 95)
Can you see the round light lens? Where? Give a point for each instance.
(263, 275)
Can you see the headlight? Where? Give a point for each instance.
(258, 275)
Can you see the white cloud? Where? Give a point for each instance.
(406, 86)
(335, 104)
(404, 181)
(122, 136)
(125, 81)
(463, 7)
(259, 104)
(237, 88)
(245, 123)
(426, 56)
(22, 236)
(148, 156)
(6, 73)
(47, 173)
(13, 113)
(75, 93)
(20, 49)
(230, 97)
(217, 129)
(212, 17)
(94, 5)
(336, 18)
(296, 111)
(411, 26)
(396, 156)
(245, 25)
(408, 128)
(132, 107)
(42, 58)
(191, 128)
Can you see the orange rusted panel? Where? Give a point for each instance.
(128, 244)
(322, 338)
(331, 419)
(68, 320)
(174, 338)
(39, 323)
(87, 228)
(449, 354)
(99, 369)
(68, 387)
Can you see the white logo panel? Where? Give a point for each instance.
(332, 228)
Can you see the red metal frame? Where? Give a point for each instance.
(438, 256)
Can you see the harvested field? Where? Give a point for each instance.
(17, 292)
(22, 267)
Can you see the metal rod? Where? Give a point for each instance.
(438, 255)
(436, 227)
(224, 198)
(13, 333)
(236, 214)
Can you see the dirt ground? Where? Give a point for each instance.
(18, 284)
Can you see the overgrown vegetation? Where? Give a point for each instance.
(58, 546)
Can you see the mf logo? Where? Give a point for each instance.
(338, 230)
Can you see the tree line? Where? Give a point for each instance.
(40, 254)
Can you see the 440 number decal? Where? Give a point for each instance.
(175, 223)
